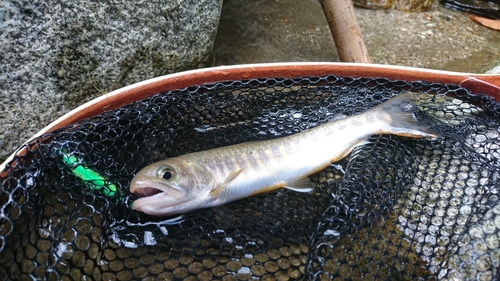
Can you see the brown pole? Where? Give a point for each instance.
(345, 30)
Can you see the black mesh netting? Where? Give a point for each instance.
(395, 208)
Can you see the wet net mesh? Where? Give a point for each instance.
(394, 209)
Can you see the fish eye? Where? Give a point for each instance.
(166, 173)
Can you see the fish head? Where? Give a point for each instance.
(172, 186)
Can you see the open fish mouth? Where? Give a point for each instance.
(147, 192)
(155, 201)
(144, 189)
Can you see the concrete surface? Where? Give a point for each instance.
(296, 30)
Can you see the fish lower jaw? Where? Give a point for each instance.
(155, 205)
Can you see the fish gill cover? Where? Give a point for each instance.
(394, 209)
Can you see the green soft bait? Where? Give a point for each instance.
(91, 178)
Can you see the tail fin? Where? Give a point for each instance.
(401, 119)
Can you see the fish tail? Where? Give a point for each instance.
(400, 118)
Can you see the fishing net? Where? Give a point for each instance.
(394, 209)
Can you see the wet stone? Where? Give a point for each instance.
(195, 267)
(219, 271)
(131, 263)
(180, 272)
(285, 251)
(76, 274)
(244, 273)
(83, 226)
(233, 266)
(147, 259)
(42, 257)
(295, 260)
(139, 251)
(223, 258)
(88, 267)
(108, 276)
(283, 263)
(213, 251)
(59, 208)
(68, 235)
(258, 270)
(274, 254)
(124, 275)
(281, 276)
(93, 251)
(261, 257)
(156, 268)
(229, 278)
(209, 263)
(204, 276)
(271, 266)
(140, 272)
(165, 276)
(345, 270)
(116, 265)
(161, 256)
(96, 234)
(122, 253)
(294, 273)
(186, 259)
(82, 242)
(27, 266)
(43, 245)
(483, 263)
(295, 249)
(304, 248)
(331, 266)
(171, 264)
(247, 261)
(200, 252)
(78, 258)
(30, 252)
(40, 271)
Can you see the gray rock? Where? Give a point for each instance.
(56, 55)
(494, 70)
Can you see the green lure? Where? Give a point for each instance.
(91, 178)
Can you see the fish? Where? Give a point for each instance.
(210, 178)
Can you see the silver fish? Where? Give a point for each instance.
(221, 175)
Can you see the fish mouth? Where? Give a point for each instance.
(157, 199)
(148, 190)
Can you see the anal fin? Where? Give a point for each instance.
(349, 149)
(300, 185)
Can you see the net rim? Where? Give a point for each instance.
(476, 83)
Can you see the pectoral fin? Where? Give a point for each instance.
(300, 185)
(230, 177)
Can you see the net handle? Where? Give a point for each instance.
(476, 83)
